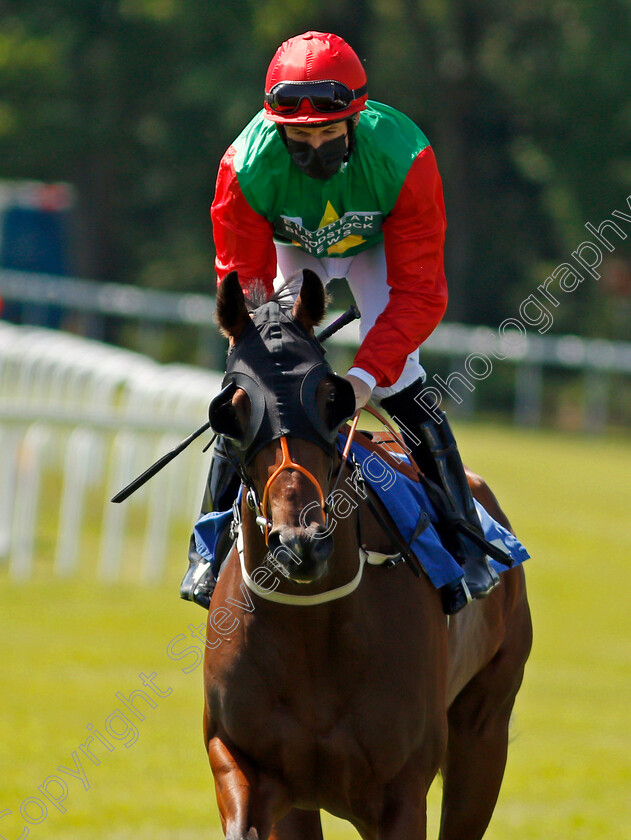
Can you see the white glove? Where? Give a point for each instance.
(362, 390)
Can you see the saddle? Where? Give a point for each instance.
(416, 507)
(388, 447)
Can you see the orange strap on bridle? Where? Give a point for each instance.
(288, 464)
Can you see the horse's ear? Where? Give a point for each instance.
(232, 314)
(310, 304)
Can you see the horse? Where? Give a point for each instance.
(331, 683)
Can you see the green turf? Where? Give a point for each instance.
(70, 646)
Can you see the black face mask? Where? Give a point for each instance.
(279, 366)
(321, 163)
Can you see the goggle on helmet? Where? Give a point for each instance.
(315, 77)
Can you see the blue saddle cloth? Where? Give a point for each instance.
(404, 499)
(208, 530)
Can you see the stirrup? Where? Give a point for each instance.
(480, 576)
(198, 583)
(455, 596)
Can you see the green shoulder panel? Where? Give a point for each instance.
(388, 142)
(261, 163)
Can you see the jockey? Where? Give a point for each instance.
(325, 179)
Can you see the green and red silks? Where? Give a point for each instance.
(389, 191)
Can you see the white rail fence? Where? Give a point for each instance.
(94, 416)
(601, 364)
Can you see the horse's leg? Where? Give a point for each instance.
(478, 736)
(407, 821)
(248, 803)
(403, 807)
(481, 491)
(298, 825)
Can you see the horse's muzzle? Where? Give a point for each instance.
(303, 554)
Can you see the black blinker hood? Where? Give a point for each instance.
(279, 365)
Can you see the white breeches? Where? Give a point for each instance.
(366, 275)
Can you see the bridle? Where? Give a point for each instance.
(280, 367)
(364, 555)
(260, 506)
(289, 464)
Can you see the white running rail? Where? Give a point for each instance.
(94, 416)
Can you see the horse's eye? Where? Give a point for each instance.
(339, 403)
(230, 417)
(242, 409)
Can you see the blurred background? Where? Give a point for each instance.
(121, 109)
(114, 115)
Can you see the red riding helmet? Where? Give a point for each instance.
(313, 78)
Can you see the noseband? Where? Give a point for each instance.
(287, 464)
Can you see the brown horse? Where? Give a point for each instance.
(346, 693)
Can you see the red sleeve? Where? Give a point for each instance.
(414, 236)
(243, 239)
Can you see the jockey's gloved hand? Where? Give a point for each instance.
(362, 390)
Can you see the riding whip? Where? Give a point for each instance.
(161, 462)
(351, 314)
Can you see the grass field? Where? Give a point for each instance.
(73, 651)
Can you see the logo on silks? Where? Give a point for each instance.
(334, 235)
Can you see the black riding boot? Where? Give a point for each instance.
(221, 490)
(433, 447)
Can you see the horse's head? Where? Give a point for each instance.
(280, 410)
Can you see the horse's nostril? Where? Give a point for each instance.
(285, 547)
(273, 541)
(321, 546)
(303, 555)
